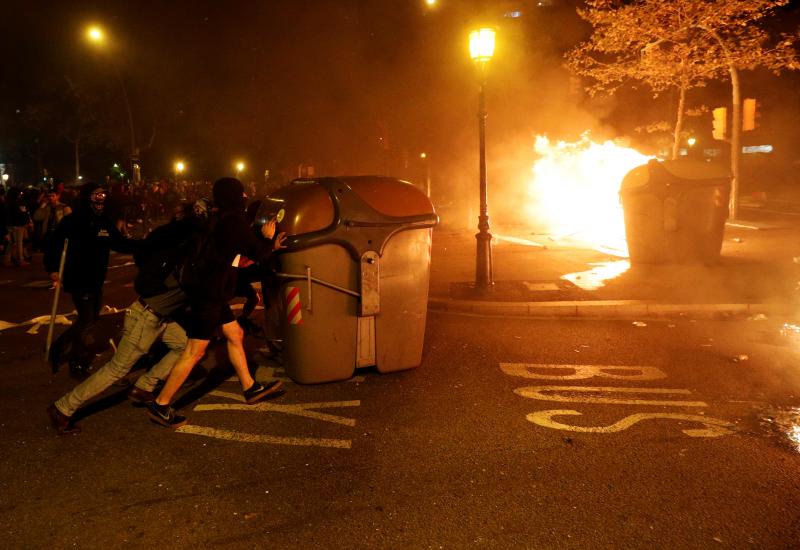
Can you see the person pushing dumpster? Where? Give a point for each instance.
(208, 276)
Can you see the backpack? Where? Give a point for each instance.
(162, 254)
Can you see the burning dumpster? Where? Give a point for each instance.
(354, 275)
(675, 211)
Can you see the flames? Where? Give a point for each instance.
(574, 191)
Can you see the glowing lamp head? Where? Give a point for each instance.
(691, 141)
(180, 167)
(423, 156)
(95, 35)
(481, 44)
(430, 3)
(240, 167)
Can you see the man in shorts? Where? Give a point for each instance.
(210, 282)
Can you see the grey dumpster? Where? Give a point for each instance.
(675, 211)
(354, 275)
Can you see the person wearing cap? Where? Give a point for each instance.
(91, 236)
(210, 282)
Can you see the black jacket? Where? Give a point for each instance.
(91, 238)
(214, 275)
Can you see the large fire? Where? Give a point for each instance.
(575, 191)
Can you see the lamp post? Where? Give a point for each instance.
(96, 36)
(424, 157)
(180, 166)
(481, 49)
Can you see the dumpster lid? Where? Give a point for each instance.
(681, 171)
(358, 212)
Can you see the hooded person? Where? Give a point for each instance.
(91, 237)
(210, 283)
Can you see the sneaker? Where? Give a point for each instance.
(61, 423)
(164, 415)
(140, 396)
(259, 391)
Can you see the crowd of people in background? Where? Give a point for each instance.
(29, 213)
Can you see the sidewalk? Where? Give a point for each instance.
(537, 276)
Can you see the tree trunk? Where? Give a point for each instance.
(676, 140)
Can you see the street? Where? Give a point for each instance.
(672, 433)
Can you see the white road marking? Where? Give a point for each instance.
(296, 409)
(37, 284)
(536, 287)
(581, 372)
(265, 372)
(713, 426)
(228, 435)
(538, 392)
(518, 240)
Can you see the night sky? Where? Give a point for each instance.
(350, 86)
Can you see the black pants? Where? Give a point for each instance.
(74, 344)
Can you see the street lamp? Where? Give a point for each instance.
(179, 168)
(481, 50)
(691, 141)
(424, 157)
(239, 168)
(96, 36)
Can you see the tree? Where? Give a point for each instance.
(681, 44)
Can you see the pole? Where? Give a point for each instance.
(483, 258)
(427, 177)
(55, 301)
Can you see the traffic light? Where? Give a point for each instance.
(749, 114)
(720, 122)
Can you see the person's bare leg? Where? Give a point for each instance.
(194, 351)
(235, 339)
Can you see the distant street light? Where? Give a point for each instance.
(481, 50)
(691, 141)
(424, 157)
(239, 168)
(179, 169)
(96, 36)
(430, 3)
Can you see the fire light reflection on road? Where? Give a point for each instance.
(597, 276)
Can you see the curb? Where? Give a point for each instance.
(618, 309)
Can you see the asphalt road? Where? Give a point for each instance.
(513, 433)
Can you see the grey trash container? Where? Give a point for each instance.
(354, 275)
(675, 211)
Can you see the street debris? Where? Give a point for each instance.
(757, 317)
(737, 239)
(639, 324)
(740, 358)
(670, 326)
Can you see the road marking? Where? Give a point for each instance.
(279, 373)
(538, 392)
(538, 287)
(228, 435)
(37, 284)
(581, 372)
(296, 409)
(713, 426)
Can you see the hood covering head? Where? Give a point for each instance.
(229, 194)
(93, 196)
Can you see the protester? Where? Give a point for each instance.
(49, 214)
(156, 314)
(91, 238)
(19, 223)
(209, 278)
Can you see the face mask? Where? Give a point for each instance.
(97, 201)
